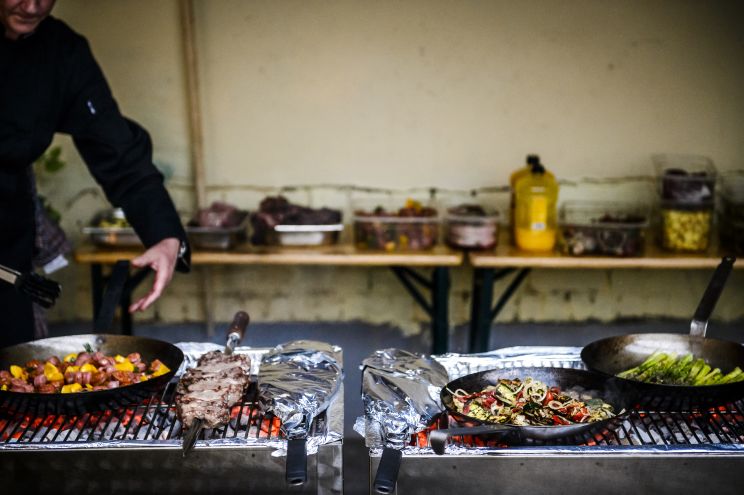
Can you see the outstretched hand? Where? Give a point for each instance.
(161, 258)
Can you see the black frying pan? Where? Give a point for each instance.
(613, 355)
(81, 402)
(567, 379)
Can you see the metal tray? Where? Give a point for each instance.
(113, 236)
(218, 238)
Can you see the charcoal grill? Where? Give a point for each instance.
(137, 449)
(660, 452)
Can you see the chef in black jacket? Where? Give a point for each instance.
(50, 82)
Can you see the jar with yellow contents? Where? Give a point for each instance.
(686, 227)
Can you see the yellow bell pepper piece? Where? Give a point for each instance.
(162, 370)
(88, 367)
(72, 369)
(71, 388)
(70, 358)
(4, 388)
(18, 372)
(119, 358)
(89, 386)
(125, 366)
(52, 373)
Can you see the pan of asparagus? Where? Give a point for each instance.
(673, 369)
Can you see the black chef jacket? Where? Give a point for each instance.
(50, 82)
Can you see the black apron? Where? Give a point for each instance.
(17, 230)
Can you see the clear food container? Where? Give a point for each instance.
(305, 235)
(471, 227)
(685, 227)
(685, 178)
(111, 229)
(379, 226)
(602, 229)
(218, 238)
(732, 196)
(731, 235)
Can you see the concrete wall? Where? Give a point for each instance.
(412, 95)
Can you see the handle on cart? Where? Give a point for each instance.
(387, 471)
(296, 461)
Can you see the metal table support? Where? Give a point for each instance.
(482, 314)
(438, 309)
(98, 284)
(436, 306)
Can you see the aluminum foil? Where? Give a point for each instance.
(400, 392)
(297, 381)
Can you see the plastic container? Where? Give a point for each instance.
(305, 235)
(535, 215)
(412, 228)
(731, 234)
(685, 227)
(685, 178)
(603, 229)
(515, 177)
(471, 227)
(732, 196)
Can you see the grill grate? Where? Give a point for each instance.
(715, 425)
(152, 420)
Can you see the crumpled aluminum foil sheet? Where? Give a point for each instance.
(458, 365)
(325, 433)
(400, 392)
(297, 381)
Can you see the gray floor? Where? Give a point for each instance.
(360, 339)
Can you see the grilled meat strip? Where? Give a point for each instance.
(208, 391)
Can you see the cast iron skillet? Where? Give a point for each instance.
(567, 379)
(82, 402)
(613, 355)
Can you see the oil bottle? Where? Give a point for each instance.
(532, 160)
(535, 199)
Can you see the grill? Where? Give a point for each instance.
(648, 451)
(137, 448)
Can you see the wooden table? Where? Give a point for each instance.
(404, 265)
(506, 259)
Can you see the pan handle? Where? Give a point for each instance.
(296, 468)
(387, 471)
(712, 293)
(236, 331)
(438, 438)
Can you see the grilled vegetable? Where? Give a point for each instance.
(663, 368)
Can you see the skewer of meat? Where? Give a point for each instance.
(206, 393)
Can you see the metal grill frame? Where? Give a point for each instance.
(216, 465)
(671, 467)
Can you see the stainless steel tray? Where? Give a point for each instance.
(216, 237)
(113, 236)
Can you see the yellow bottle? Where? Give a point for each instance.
(536, 196)
(532, 160)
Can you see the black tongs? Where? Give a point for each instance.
(41, 290)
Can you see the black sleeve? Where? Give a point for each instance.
(118, 152)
